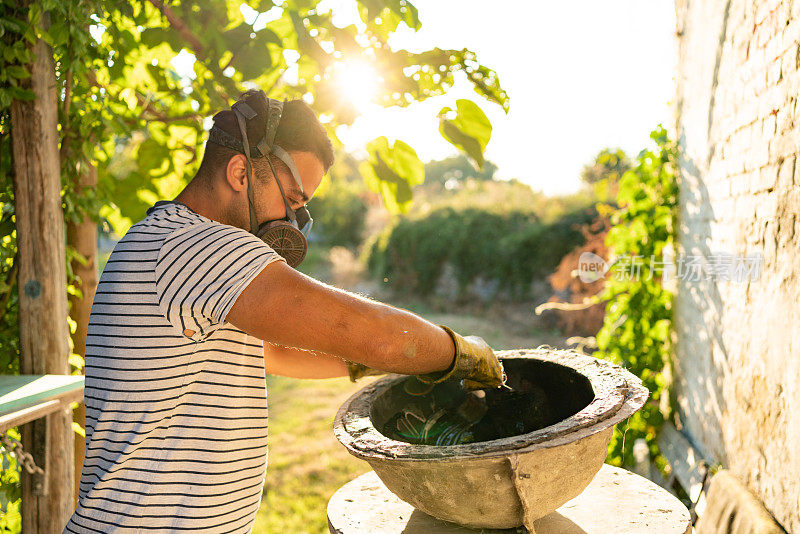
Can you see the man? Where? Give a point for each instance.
(192, 310)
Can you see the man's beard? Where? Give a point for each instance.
(237, 213)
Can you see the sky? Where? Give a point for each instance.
(582, 76)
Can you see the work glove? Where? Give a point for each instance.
(474, 362)
(358, 370)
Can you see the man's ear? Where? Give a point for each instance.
(236, 173)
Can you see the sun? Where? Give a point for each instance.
(358, 82)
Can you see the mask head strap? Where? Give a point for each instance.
(287, 159)
(301, 216)
(243, 113)
(274, 112)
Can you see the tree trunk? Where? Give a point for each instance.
(47, 501)
(82, 237)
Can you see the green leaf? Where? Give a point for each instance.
(78, 429)
(411, 17)
(59, 32)
(12, 519)
(236, 38)
(152, 37)
(307, 44)
(470, 131)
(18, 93)
(254, 58)
(76, 360)
(8, 54)
(18, 72)
(401, 159)
(265, 35)
(392, 171)
(252, 65)
(152, 155)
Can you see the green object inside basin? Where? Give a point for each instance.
(541, 394)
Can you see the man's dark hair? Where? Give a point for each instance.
(298, 130)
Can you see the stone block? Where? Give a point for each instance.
(786, 174)
(789, 40)
(764, 179)
(784, 144)
(766, 206)
(784, 119)
(772, 52)
(768, 125)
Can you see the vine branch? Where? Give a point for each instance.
(587, 302)
(145, 103)
(10, 280)
(194, 42)
(180, 27)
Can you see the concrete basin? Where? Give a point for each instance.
(522, 469)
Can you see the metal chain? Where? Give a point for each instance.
(23, 458)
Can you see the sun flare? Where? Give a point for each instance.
(358, 82)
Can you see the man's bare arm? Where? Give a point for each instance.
(299, 363)
(285, 307)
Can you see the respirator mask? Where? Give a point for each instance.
(287, 236)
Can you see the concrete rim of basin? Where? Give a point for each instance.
(617, 395)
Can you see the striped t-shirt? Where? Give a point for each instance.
(176, 407)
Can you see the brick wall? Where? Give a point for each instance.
(737, 370)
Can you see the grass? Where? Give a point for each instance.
(306, 463)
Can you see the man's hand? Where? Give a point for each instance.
(474, 361)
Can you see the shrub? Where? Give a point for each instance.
(339, 213)
(536, 251)
(512, 248)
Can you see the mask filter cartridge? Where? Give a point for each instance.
(284, 239)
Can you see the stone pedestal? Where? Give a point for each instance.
(615, 501)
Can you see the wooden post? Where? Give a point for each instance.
(46, 503)
(82, 236)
